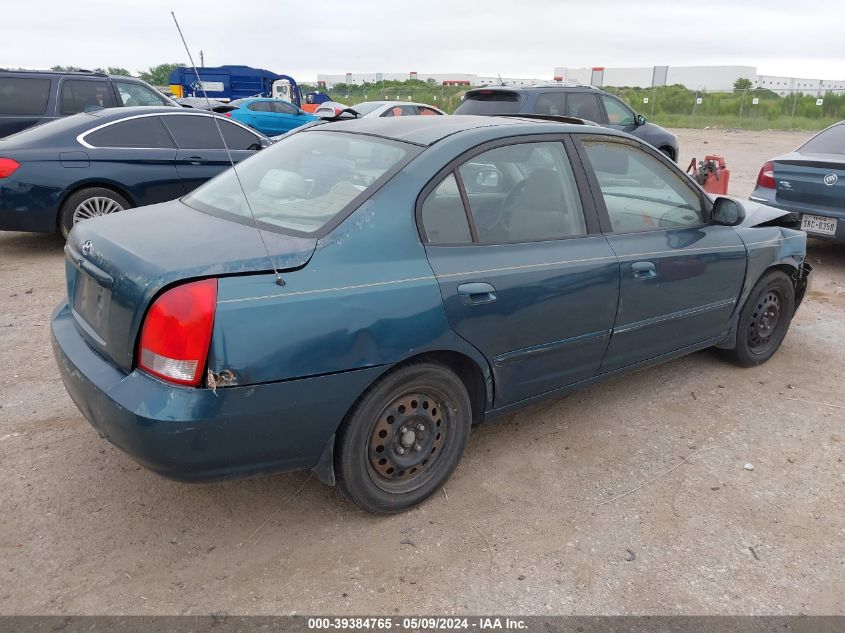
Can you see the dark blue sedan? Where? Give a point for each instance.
(86, 165)
(421, 275)
(810, 182)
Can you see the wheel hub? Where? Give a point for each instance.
(406, 437)
(764, 320)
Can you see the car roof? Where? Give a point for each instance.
(552, 87)
(427, 130)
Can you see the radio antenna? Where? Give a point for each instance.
(279, 280)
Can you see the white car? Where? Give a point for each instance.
(373, 109)
(330, 109)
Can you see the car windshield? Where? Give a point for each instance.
(367, 106)
(829, 141)
(490, 102)
(303, 181)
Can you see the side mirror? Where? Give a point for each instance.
(641, 120)
(728, 212)
(264, 142)
(488, 178)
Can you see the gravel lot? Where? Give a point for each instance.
(520, 528)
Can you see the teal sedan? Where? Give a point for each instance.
(414, 277)
(269, 116)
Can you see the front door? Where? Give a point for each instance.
(680, 275)
(525, 276)
(201, 154)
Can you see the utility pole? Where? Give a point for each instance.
(202, 60)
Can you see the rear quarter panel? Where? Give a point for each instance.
(367, 298)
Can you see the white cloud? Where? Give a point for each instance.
(513, 38)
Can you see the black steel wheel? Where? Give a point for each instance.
(404, 438)
(764, 319)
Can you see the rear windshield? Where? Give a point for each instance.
(495, 102)
(829, 141)
(51, 130)
(303, 181)
(24, 95)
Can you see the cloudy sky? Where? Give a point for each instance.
(515, 38)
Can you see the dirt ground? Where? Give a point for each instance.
(528, 523)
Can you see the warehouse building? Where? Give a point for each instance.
(712, 78)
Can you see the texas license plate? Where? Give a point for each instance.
(818, 224)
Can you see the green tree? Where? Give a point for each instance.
(742, 84)
(159, 75)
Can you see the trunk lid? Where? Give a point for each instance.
(116, 265)
(813, 179)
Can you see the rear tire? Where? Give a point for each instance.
(87, 203)
(764, 320)
(403, 439)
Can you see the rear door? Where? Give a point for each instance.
(78, 94)
(584, 105)
(201, 154)
(680, 275)
(525, 275)
(23, 103)
(138, 153)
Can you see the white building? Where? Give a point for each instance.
(693, 77)
(441, 79)
(714, 78)
(787, 85)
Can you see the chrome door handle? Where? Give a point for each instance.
(476, 293)
(643, 270)
(196, 160)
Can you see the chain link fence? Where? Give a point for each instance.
(671, 106)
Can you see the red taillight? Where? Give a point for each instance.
(228, 114)
(7, 166)
(766, 178)
(177, 332)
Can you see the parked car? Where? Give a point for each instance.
(29, 97)
(431, 273)
(374, 109)
(329, 109)
(268, 116)
(583, 102)
(809, 182)
(56, 174)
(201, 103)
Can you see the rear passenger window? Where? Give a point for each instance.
(523, 193)
(443, 216)
(79, 94)
(143, 132)
(259, 106)
(551, 103)
(583, 105)
(24, 95)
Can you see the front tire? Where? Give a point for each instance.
(88, 203)
(403, 439)
(764, 320)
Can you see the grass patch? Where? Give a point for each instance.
(744, 123)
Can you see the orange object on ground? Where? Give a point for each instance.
(712, 174)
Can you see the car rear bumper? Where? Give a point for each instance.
(198, 434)
(768, 197)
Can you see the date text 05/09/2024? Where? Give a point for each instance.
(433, 623)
